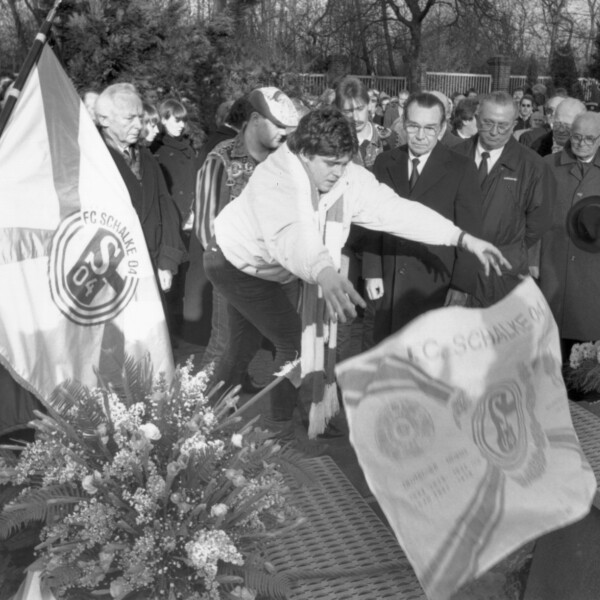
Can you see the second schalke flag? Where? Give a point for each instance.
(462, 427)
(78, 288)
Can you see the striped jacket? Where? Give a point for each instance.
(222, 178)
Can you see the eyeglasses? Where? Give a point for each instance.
(485, 125)
(428, 130)
(584, 140)
(560, 126)
(526, 105)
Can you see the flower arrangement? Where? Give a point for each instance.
(583, 372)
(154, 492)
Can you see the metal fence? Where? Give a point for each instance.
(448, 83)
(517, 81)
(390, 85)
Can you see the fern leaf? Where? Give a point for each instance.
(275, 586)
(37, 505)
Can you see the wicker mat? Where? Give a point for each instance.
(343, 551)
(587, 426)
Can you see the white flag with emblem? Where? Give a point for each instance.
(462, 427)
(78, 289)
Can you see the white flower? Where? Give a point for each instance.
(87, 483)
(119, 588)
(150, 431)
(236, 440)
(243, 593)
(219, 510)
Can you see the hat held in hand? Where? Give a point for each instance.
(583, 224)
(273, 104)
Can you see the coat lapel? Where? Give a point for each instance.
(397, 168)
(435, 168)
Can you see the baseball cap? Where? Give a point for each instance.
(273, 104)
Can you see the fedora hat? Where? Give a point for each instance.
(583, 224)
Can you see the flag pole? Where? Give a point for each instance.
(30, 60)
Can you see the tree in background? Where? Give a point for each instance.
(594, 65)
(532, 72)
(563, 70)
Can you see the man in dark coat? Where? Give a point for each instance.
(570, 265)
(120, 113)
(518, 189)
(419, 277)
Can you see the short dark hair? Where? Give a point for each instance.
(239, 112)
(465, 110)
(528, 97)
(425, 100)
(324, 132)
(172, 108)
(351, 88)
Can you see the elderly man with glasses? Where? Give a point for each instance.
(562, 119)
(416, 277)
(570, 267)
(518, 190)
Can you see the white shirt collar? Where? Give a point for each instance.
(422, 159)
(494, 155)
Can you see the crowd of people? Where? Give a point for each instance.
(298, 212)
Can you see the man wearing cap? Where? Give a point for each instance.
(223, 177)
(289, 224)
(518, 190)
(570, 254)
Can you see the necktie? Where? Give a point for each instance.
(483, 167)
(414, 174)
(131, 160)
(128, 156)
(583, 167)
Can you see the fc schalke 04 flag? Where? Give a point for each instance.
(462, 427)
(78, 289)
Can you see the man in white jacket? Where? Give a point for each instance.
(290, 223)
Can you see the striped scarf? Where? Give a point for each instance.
(318, 334)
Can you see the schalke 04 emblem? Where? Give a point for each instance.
(93, 269)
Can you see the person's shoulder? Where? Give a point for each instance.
(464, 147)
(524, 153)
(224, 146)
(449, 154)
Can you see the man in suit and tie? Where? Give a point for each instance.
(120, 113)
(518, 190)
(418, 277)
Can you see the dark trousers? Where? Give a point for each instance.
(257, 307)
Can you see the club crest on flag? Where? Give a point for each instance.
(499, 428)
(461, 424)
(93, 267)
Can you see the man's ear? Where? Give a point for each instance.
(102, 120)
(443, 130)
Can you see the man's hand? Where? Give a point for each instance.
(488, 254)
(165, 278)
(456, 298)
(374, 288)
(340, 297)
